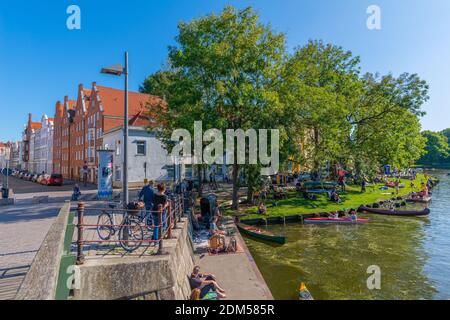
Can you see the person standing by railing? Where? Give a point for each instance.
(147, 194)
(159, 198)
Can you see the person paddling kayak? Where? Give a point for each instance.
(353, 215)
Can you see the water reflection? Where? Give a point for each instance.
(413, 254)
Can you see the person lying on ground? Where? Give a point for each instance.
(206, 283)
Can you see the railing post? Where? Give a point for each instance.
(80, 255)
(180, 207)
(169, 222)
(160, 231)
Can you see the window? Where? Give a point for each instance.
(118, 148)
(141, 148)
(91, 135)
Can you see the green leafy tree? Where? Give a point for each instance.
(229, 65)
(437, 148)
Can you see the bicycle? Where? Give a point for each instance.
(130, 231)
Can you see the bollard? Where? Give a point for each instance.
(80, 255)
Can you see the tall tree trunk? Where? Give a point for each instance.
(235, 204)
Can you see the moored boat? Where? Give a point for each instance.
(326, 220)
(260, 233)
(398, 213)
(303, 293)
(419, 199)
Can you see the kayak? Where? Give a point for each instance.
(326, 220)
(303, 293)
(386, 212)
(420, 199)
(260, 234)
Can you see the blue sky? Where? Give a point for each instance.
(41, 61)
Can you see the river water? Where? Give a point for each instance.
(413, 255)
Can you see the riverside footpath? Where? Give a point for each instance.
(103, 268)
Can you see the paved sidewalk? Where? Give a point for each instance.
(236, 273)
(22, 230)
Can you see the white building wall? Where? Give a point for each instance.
(158, 163)
(43, 147)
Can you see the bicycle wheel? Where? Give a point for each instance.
(131, 235)
(103, 231)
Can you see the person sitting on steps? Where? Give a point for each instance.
(205, 282)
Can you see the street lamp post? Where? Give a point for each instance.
(118, 70)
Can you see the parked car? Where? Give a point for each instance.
(39, 179)
(56, 180)
(29, 177)
(34, 178)
(45, 180)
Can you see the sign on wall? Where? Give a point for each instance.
(105, 170)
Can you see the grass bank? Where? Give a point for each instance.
(353, 198)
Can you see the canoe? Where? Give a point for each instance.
(326, 220)
(303, 293)
(323, 184)
(317, 191)
(398, 213)
(420, 199)
(260, 234)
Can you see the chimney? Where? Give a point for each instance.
(30, 118)
(80, 87)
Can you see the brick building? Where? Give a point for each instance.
(79, 127)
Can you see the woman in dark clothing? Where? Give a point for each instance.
(160, 201)
(206, 283)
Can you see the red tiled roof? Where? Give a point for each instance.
(113, 101)
(36, 125)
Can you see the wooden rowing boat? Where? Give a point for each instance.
(260, 233)
(398, 213)
(420, 199)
